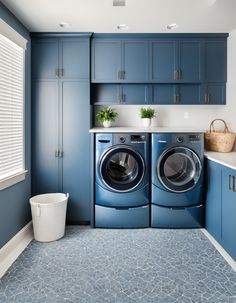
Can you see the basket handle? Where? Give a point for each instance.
(212, 129)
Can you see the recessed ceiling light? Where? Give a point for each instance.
(172, 26)
(122, 26)
(64, 25)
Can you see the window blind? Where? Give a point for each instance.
(11, 108)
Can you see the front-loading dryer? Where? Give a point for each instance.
(177, 180)
(122, 180)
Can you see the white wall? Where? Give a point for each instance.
(228, 112)
(190, 115)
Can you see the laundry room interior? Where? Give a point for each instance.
(117, 151)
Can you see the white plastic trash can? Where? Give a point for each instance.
(49, 216)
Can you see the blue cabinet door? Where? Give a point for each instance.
(134, 94)
(45, 58)
(45, 176)
(190, 60)
(75, 134)
(215, 60)
(164, 93)
(213, 199)
(106, 60)
(135, 63)
(229, 210)
(105, 94)
(214, 93)
(164, 60)
(75, 58)
(188, 94)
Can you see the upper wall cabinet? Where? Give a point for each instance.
(176, 60)
(116, 60)
(174, 68)
(45, 58)
(70, 62)
(215, 60)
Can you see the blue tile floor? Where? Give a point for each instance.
(102, 265)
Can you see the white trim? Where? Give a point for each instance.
(220, 249)
(12, 180)
(13, 248)
(8, 32)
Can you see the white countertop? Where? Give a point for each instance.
(134, 129)
(226, 159)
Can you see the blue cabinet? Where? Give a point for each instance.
(45, 165)
(176, 60)
(220, 205)
(106, 60)
(190, 61)
(215, 60)
(164, 60)
(135, 63)
(176, 94)
(196, 63)
(45, 58)
(61, 122)
(105, 94)
(214, 93)
(213, 199)
(120, 60)
(229, 210)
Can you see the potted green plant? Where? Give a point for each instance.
(106, 116)
(146, 115)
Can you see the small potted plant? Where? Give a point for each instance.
(146, 115)
(106, 116)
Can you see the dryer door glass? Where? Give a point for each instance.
(122, 169)
(179, 169)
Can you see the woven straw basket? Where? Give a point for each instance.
(220, 141)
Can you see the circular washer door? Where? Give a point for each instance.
(179, 169)
(122, 168)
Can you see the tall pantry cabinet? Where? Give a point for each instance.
(61, 119)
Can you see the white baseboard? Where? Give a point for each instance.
(14, 247)
(220, 249)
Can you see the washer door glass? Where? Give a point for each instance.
(122, 168)
(179, 169)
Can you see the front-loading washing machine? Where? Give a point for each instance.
(177, 180)
(122, 192)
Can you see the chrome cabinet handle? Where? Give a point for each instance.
(57, 72)
(175, 98)
(178, 98)
(234, 185)
(61, 154)
(179, 74)
(118, 75)
(123, 75)
(209, 98)
(57, 153)
(230, 188)
(176, 75)
(206, 98)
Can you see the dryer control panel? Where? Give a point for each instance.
(129, 138)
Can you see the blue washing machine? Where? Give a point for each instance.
(177, 180)
(122, 181)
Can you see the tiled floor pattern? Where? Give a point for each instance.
(102, 265)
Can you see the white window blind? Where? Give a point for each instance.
(11, 109)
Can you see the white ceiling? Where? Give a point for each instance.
(151, 16)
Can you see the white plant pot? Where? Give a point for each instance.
(147, 122)
(106, 123)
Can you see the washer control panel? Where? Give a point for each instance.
(186, 138)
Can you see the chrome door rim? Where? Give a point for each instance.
(111, 150)
(189, 150)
